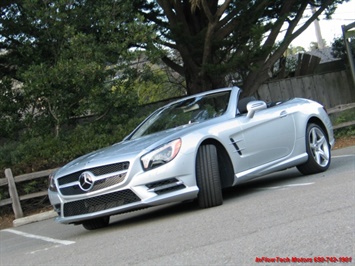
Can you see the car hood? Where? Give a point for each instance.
(120, 152)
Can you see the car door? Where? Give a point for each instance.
(268, 136)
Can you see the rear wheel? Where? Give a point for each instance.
(208, 177)
(318, 150)
(96, 223)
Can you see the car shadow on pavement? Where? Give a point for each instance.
(153, 213)
(272, 180)
(170, 210)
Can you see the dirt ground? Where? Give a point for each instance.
(7, 219)
(344, 142)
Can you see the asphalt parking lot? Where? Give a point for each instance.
(283, 218)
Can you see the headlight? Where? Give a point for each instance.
(161, 155)
(51, 183)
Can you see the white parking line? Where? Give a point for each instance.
(43, 238)
(290, 185)
(341, 156)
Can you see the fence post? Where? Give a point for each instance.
(16, 205)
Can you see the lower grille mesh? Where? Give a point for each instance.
(100, 203)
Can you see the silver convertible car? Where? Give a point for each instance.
(192, 149)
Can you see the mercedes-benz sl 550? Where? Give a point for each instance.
(192, 149)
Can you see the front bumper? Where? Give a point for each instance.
(166, 184)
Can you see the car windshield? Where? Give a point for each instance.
(192, 110)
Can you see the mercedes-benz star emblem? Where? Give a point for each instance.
(86, 181)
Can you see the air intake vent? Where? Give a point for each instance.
(165, 186)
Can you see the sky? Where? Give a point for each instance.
(330, 29)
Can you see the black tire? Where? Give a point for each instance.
(96, 223)
(318, 150)
(208, 177)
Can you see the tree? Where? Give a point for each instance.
(219, 38)
(293, 50)
(74, 56)
(339, 50)
(63, 53)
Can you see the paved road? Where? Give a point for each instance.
(283, 217)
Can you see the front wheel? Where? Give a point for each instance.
(318, 150)
(96, 223)
(208, 177)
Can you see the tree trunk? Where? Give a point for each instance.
(215, 39)
(199, 82)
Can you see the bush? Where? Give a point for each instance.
(36, 153)
(342, 117)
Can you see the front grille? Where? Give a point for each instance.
(100, 203)
(100, 184)
(119, 171)
(97, 171)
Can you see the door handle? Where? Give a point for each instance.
(283, 114)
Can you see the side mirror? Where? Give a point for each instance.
(254, 106)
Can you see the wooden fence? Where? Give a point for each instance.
(341, 108)
(329, 89)
(15, 199)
